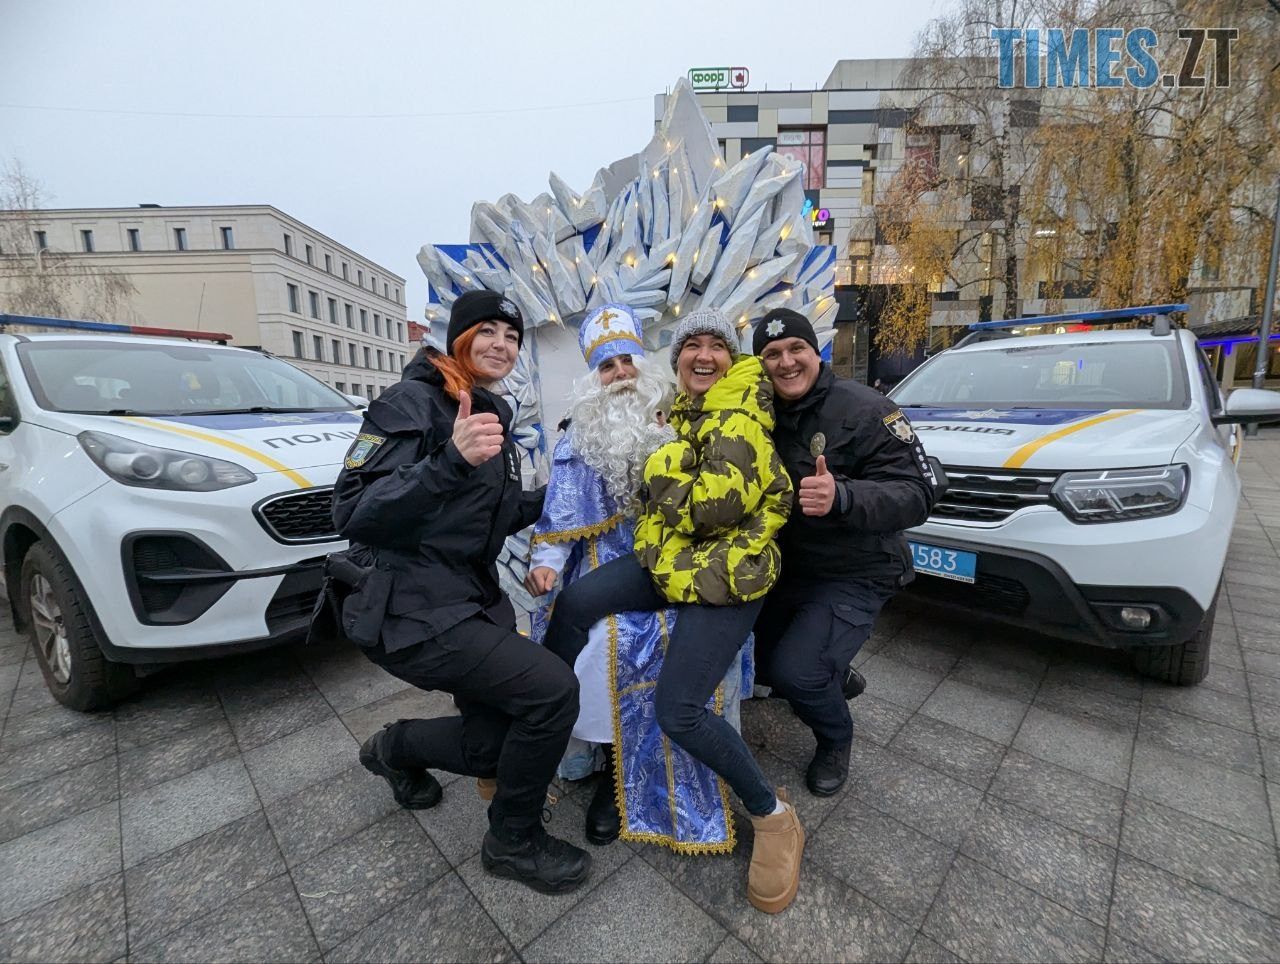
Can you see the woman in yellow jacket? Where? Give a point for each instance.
(717, 497)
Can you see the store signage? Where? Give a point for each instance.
(820, 216)
(719, 78)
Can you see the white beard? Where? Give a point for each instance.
(615, 428)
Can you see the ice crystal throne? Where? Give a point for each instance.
(666, 231)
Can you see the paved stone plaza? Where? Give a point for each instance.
(1012, 798)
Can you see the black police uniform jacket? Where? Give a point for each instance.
(884, 484)
(427, 524)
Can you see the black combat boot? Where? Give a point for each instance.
(413, 789)
(853, 683)
(603, 820)
(536, 859)
(828, 770)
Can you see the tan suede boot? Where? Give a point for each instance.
(774, 876)
(486, 787)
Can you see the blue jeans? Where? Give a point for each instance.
(706, 640)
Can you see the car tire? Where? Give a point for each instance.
(66, 647)
(1185, 664)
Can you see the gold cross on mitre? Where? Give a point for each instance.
(605, 317)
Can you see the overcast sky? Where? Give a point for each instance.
(517, 90)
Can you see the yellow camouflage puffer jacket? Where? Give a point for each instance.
(718, 495)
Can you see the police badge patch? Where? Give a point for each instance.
(900, 428)
(363, 447)
(508, 308)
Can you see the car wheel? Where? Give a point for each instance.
(75, 670)
(1185, 664)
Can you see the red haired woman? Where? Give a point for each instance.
(430, 490)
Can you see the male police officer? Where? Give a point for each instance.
(861, 477)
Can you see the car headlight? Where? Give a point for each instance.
(1115, 495)
(145, 466)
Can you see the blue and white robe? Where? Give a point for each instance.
(665, 796)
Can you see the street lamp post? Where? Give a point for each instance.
(1268, 309)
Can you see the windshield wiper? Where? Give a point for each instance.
(127, 411)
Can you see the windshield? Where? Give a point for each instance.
(152, 378)
(1095, 375)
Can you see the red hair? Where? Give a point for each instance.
(460, 373)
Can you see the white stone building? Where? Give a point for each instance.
(251, 271)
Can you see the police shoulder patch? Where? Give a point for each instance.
(361, 449)
(899, 427)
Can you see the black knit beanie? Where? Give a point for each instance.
(782, 323)
(474, 307)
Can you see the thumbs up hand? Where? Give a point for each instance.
(478, 437)
(818, 491)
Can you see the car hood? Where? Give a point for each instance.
(262, 443)
(1051, 438)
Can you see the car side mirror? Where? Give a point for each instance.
(359, 401)
(1246, 405)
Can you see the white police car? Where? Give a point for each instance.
(1092, 482)
(163, 500)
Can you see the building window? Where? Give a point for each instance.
(400, 331)
(379, 359)
(809, 147)
(868, 187)
(386, 291)
(364, 321)
(288, 245)
(344, 272)
(366, 357)
(351, 353)
(328, 264)
(228, 241)
(42, 240)
(337, 351)
(318, 344)
(347, 309)
(310, 254)
(860, 262)
(180, 238)
(297, 344)
(373, 283)
(340, 386)
(397, 296)
(333, 311)
(313, 302)
(135, 239)
(293, 300)
(359, 278)
(377, 324)
(742, 113)
(86, 241)
(369, 389)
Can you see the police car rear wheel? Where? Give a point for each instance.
(66, 647)
(1185, 664)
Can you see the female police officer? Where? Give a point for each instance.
(430, 489)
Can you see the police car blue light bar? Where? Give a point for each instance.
(7, 320)
(1081, 317)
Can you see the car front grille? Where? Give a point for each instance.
(299, 517)
(990, 496)
(988, 593)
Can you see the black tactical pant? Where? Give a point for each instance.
(518, 704)
(805, 637)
